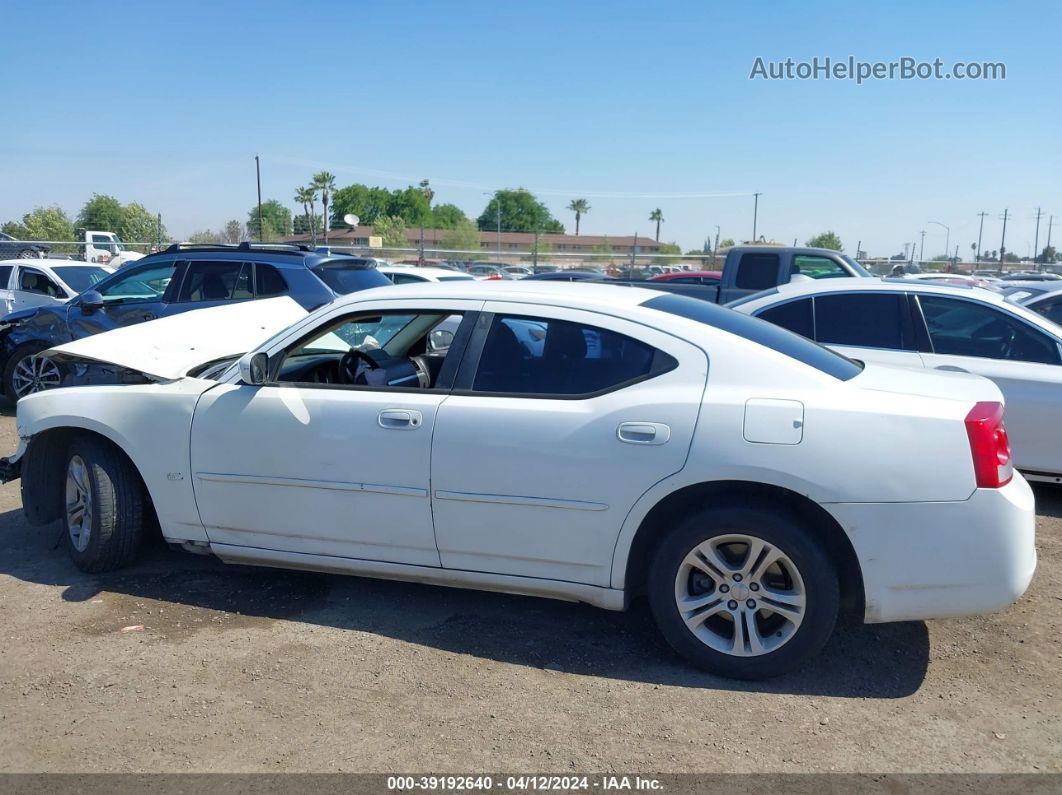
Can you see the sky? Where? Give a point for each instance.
(632, 106)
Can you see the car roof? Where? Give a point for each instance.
(53, 262)
(281, 256)
(439, 273)
(589, 295)
(1051, 292)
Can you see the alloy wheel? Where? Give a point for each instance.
(740, 595)
(78, 503)
(34, 373)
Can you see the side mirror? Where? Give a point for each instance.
(254, 368)
(90, 301)
(441, 339)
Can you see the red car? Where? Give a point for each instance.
(690, 277)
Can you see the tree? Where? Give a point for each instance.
(727, 243)
(361, 200)
(393, 231)
(520, 212)
(425, 188)
(103, 213)
(447, 216)
(462, 236)
(1048, 254)
(580, 207)
(276, 220)
(668, 248)
(326, 184)
(307, 197)
(658, 216)
(139, 225)
(411, 205)
(204, 236)
(233, 231)
(44, 223)
(826, 240)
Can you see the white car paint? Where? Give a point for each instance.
(541, 495)
(169, 347)
(1033, 390)
(14, 294)
(407, 275)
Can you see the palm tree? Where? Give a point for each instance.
(326, 183)
(658, 216)
(579, 207)
(306, 197)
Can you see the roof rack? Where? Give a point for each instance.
(276, 248)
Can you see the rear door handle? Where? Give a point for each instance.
(400, 419)
(643, 432)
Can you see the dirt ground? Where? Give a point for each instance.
(241, 669)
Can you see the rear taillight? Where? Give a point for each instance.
(989, 446)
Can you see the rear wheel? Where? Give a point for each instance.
(103, 506)
(743, 592)
(28, 253)
(27, 371)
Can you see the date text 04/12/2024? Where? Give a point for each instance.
(526, 783)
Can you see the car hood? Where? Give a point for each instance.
(169, 347)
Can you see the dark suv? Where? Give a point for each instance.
(178, 279)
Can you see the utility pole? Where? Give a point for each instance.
(1002, 241)
(1050, 223)
(859, 246)
(634, 253)
(497, 203)
(715, 250)
(1036, 243)
(534, 255)
(755, 214)
(158, 231)
(922, 247)
(258, 176)
(980, 229)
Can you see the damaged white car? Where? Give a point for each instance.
(583, 442)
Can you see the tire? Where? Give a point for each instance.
(103, 507)
(28, 253)
(15, 377)
(704, 561)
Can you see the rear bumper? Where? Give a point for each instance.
(943, 559)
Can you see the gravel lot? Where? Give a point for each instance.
(242, 669)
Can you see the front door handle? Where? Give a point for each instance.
(643, 432)
(400, 419)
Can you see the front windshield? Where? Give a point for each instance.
(80, 278)
(856, 266)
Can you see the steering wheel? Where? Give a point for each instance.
(348, 365)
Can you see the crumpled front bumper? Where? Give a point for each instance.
(11, 466)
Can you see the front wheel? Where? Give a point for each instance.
(27, 371)
(103, 506)
(743, 592)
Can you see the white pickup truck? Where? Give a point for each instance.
(105, 248)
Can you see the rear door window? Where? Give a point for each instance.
(206, 281)
(539, 356)
(5, 276)
(757, 272)
(866, 320)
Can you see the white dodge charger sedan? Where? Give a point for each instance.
(578, 441)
